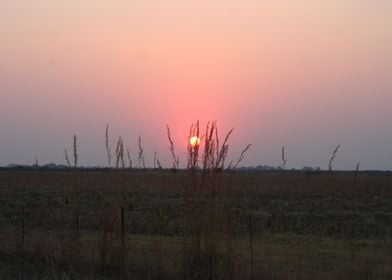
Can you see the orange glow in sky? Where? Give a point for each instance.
(308, 75)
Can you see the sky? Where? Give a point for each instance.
(309, 75)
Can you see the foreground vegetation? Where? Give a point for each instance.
(145, 224)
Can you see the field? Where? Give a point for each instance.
(154, 224)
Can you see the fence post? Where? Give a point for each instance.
(23, 226)
(122, 225)
(251, 245)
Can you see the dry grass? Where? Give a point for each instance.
(304, 226)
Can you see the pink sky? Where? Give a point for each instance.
(305, 74)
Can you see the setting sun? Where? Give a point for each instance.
(194, 140)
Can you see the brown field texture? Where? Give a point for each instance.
(143, 224)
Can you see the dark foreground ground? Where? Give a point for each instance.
(154, 225)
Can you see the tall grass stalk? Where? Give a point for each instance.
(155, 160)
(241, 158)
(120, 153)
(283, 157)
(75, 151)
(67, 158)
(108, 153)
(141, 160)
(356, 172)
(129, 159)
(159, 164)
(175, 159)
(331, 160)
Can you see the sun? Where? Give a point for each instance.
(194, 141)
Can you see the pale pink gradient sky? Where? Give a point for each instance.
(305, 74)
